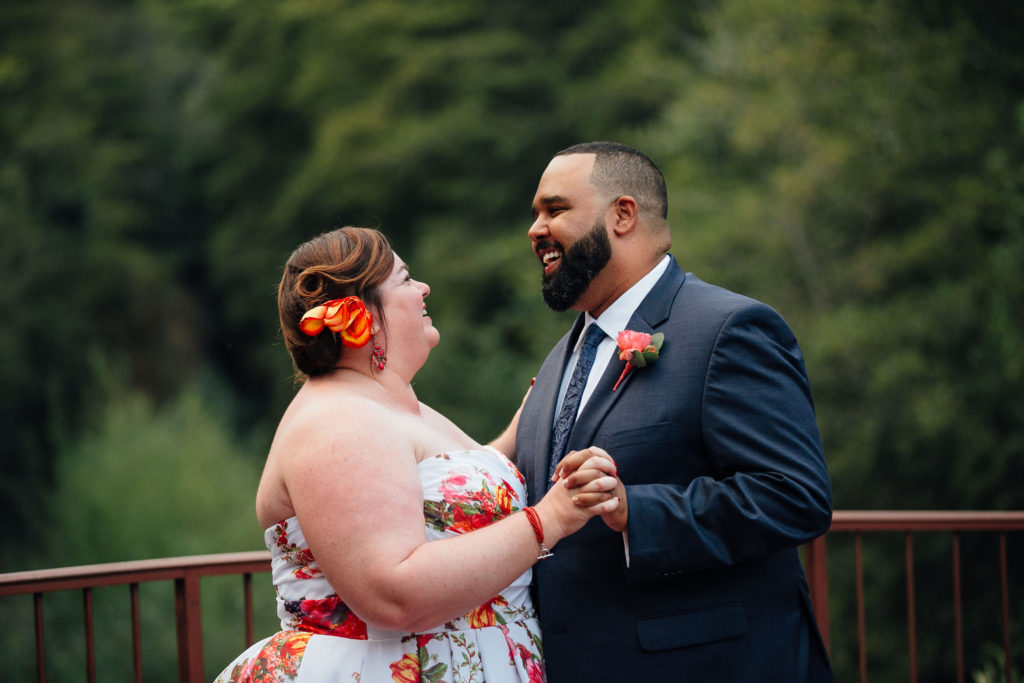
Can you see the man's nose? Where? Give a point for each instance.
(538, 230)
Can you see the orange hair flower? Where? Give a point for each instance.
(348, 317)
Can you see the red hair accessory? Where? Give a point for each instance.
(348, 317)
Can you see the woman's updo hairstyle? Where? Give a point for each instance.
(344, 262)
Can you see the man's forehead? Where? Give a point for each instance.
(580, 163)
(565, 176)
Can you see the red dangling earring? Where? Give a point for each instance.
(378, 357)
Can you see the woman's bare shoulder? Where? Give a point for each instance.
(321, 423)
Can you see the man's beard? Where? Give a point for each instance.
(579, 265)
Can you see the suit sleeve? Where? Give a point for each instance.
(770, 487)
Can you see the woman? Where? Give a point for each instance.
(367, 495)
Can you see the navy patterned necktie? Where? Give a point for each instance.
(573, 392)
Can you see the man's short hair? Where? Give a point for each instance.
(621, 170)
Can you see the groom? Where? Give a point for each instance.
(721, 473)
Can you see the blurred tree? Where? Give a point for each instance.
(94, 259)
(145, 482)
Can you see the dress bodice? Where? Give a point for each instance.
(322, 641)
(462, 491)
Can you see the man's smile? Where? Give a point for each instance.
(550, 255)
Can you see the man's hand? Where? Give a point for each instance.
(590, 475)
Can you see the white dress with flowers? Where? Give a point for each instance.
(322, 640)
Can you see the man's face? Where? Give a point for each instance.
(568, 233)
(579, 265)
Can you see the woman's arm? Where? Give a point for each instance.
(356, 490)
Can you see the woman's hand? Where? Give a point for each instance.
(565, 510)
(591, 475)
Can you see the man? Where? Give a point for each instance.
(721, 473)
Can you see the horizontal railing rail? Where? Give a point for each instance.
(186, 572)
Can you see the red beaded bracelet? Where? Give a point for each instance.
(538, 531)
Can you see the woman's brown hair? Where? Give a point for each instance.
(344, 262)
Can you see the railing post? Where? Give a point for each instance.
(247, 597)
(190, 627)
(90, 637)
(958, 609)
(37, 599)
(817, 577)
(1005, 595)
(133, 593)
(911, 607)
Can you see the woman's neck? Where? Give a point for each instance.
(389, 382)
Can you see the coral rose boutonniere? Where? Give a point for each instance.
(638, 349)
(348, 317)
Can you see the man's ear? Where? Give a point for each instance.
(626, 214)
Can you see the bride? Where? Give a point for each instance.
(368, 496)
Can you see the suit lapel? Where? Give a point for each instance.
(652, 312)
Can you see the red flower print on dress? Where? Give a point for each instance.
(306, 573)
(406, 669)
(533, 668)
(290, 649)
(461, 510)
(463, 521)
(453, 484)
(509, 642)
(503, 497)
(484, 614)
(535, 671)
(281, 655)
(302, 557)
(329, 616)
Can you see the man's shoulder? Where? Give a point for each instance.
(706, 305)
(695, 291)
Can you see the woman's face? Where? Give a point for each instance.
(409, 328)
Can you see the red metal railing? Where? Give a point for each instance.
(859, 522)
(186, 572)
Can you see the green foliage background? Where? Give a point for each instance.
(857, 165)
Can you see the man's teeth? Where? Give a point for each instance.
(550, 256)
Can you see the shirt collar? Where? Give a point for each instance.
(617, 315)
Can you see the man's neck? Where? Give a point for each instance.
(610, 285)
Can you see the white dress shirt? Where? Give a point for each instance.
(612, 321)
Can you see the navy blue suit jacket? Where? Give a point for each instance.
(725, 476)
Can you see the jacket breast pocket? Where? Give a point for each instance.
(695, 627)
(652, 433)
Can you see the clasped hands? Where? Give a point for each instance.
(591, 475)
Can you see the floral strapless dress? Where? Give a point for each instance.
(322, 640)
